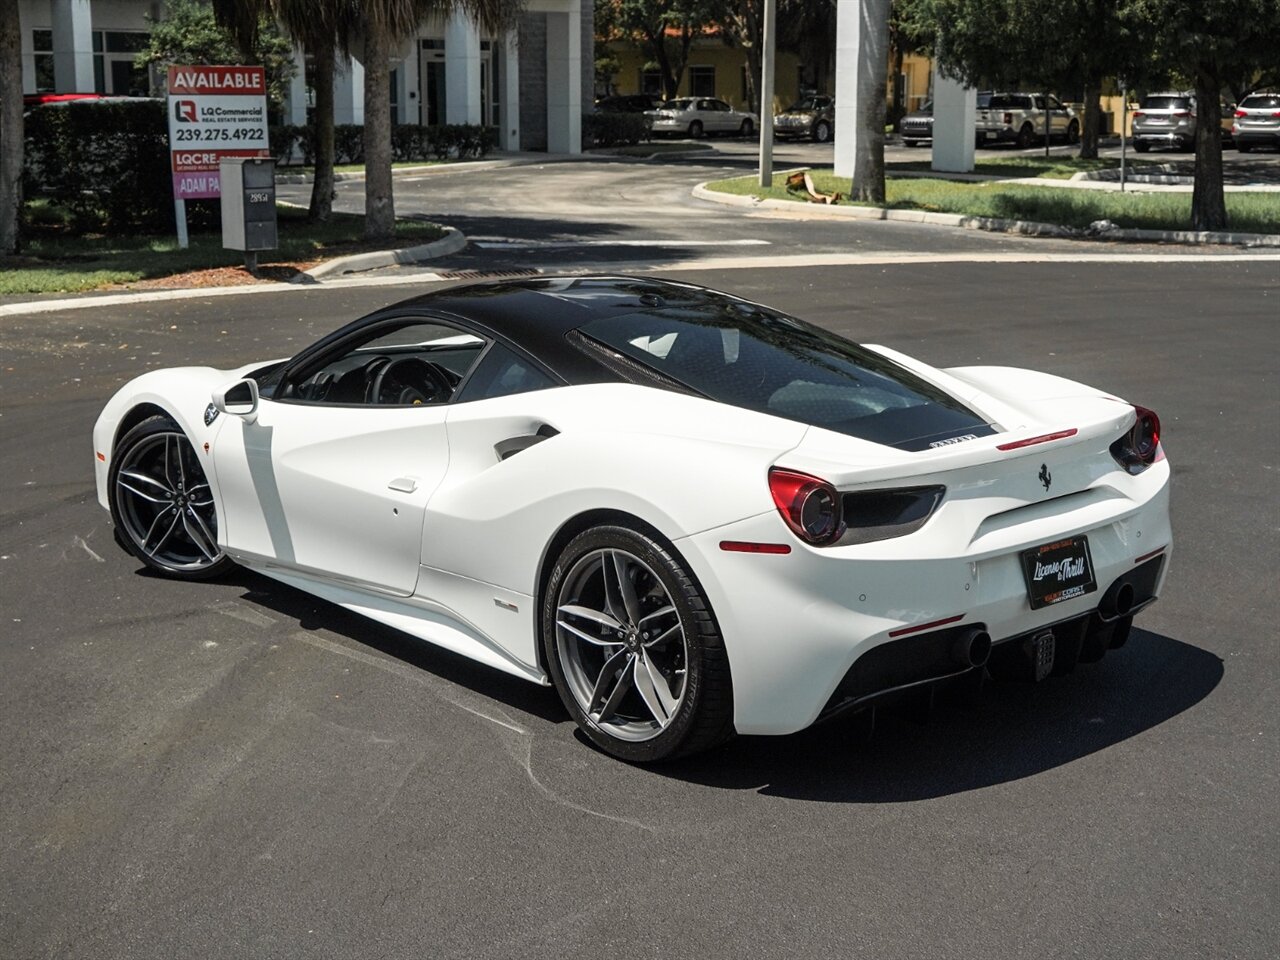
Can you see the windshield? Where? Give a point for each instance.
(808, 105)
(743, 354)
(677, 105)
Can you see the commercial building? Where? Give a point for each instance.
(532, 83)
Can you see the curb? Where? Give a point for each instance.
(457, 166)
(1102, 230)
(451, 242)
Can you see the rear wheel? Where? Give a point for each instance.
(633, 648)
(1026, 136)
(162, 504)
(1243, 147)
(747, 128)
(1073, 132)
(1140, 146)
(910, 143)
(695, 129)
(821, 132)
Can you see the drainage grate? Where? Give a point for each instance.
(488, 274)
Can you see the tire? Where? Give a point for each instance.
(1026, 136)
(1073, 132)
(910, 143)
(1141, 147)
(161, 503)
(747, 128)
(607, 673)
(695, 130)
(1243, 147)
(821, 132)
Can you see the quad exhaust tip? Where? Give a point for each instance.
(1118, 602)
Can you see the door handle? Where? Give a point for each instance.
(403, 484)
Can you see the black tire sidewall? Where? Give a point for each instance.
(677, 581)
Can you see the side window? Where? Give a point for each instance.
(411, 363)
(502, 373)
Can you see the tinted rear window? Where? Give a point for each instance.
(1166, 103)
(1261, 102)
(746, 355)
(1007, 102)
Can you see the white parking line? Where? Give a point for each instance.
(515, 243)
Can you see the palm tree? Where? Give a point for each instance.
(386, 25)
(323, 28)
(10, 127)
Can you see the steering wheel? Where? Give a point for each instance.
(408, 380)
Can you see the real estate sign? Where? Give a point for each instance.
(214, 112)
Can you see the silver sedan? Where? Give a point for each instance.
(698, 116)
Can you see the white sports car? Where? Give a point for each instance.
(691, 513)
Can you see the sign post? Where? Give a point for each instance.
(214, 112)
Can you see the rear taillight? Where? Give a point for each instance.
(1276, 115)
(1137, 114)
(1140, 447)
(1241, 113)
(809, 506)
(1008, 118)
(1182, 113)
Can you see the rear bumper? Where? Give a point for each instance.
(795, 625)
(1257, 138)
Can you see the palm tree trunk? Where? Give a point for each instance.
(10, 128)
(322, 190)
(1208, 202)
(379, 201)
(1092, 119)
(873, 69)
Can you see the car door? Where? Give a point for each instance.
(332, 475)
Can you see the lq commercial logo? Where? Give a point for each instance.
(184, 111)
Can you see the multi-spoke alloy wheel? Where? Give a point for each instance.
(162, 503)
(633, 647)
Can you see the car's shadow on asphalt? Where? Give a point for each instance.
(969, 741)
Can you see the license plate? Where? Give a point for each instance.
(1058, 571)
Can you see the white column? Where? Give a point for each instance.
(564, 81)
(411, 89)
(509, 105)
(461, 71)
(298, 89)
(955, 109)
(72, 46)
(348, 92)
(851, 40)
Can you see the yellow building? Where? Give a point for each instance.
(718, 70)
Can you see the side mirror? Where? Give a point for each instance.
(240, 399)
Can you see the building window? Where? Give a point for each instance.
(42, 46)
(651, 82)
(113, 69)
(702, 81)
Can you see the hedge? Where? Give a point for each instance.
(107, 164)
(614, 129)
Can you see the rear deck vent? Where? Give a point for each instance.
(872, 515)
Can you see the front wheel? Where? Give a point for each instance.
(1140, 146)
(747, 128)
(633, 648)
(821, 132)
(695, 130)
(162, 504)
(1073, 132)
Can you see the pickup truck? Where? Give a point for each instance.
(1020, 117)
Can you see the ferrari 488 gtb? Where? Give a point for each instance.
(691, 513)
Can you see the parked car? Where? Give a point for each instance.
(1257, 122)
(690, 513)
(1020, 117)
(1165, 120)
(812, 118)
(698, 116)
(628, 103)
(917, 126)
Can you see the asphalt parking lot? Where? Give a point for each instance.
(235, 769)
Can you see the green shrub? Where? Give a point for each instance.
(614, 129)
(107, 164)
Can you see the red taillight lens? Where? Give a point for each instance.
(1182, 113)
(1140, 447)
(1008, 118)
(1240, 113)
(1137, 114)
(810, 506)
(1276, 115)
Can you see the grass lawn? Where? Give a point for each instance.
(54, 263)
(1247, 212)
(1051, 168)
